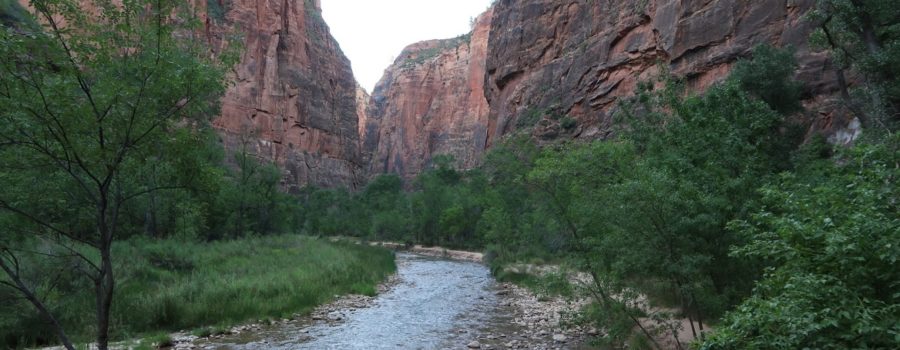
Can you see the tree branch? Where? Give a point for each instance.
(17, 283)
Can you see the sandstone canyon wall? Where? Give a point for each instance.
(552, 62)
(430, 101)
(578, 57)
(294, 98)
(527, 65)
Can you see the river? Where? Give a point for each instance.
(436, 304)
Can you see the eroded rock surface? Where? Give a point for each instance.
(554, 67)
(431, 101)
(559, 68)
(548, 59)
(294, 97)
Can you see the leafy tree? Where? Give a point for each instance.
(434, 195)
(316, 204)
(508, 201)
(768, 77)
(381, 189)
(250, 199)
(190, 164)
(656, 215)
(864, 36)
(576, 182)
(84, 102)
(830, 233)
(334, 212)
(714, 152)
(388, 207)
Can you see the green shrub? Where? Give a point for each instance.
(423, 55)
(769, 77)
(545, 286)
(217, 9)
(830, 234)
(530, 118)
(568, 123)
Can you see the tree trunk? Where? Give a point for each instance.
(608, 300)
(699, 314)
(105, 282)
(104, 289)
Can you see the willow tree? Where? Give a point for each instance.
(86, 98)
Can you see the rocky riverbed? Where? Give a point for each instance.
(432, 303)
(535, 323)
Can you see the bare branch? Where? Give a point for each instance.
(36, 220)
(17, 283)
(150, 190)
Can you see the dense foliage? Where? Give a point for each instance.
(707, 204)
(104, 135)
(863, 37)
(830, 234)
(708, 207)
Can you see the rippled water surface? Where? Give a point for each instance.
(437, 304)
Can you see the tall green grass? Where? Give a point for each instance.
(171, 285)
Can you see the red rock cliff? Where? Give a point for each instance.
(577, 57)
(294, 99)
(294, 92)
(548, 63)
(430, 102)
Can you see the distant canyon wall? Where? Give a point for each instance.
(544, 63)
(430, 102)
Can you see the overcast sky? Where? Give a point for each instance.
(373, 32)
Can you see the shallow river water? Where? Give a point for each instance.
(437, 304)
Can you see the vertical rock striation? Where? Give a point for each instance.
(294, 97)
(362, 102)
(430, 102)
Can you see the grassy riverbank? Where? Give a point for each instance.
(171, 285)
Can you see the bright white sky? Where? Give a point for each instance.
(373, 32)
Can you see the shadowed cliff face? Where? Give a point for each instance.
(578, 57)
(429, 102)
(294, 97)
